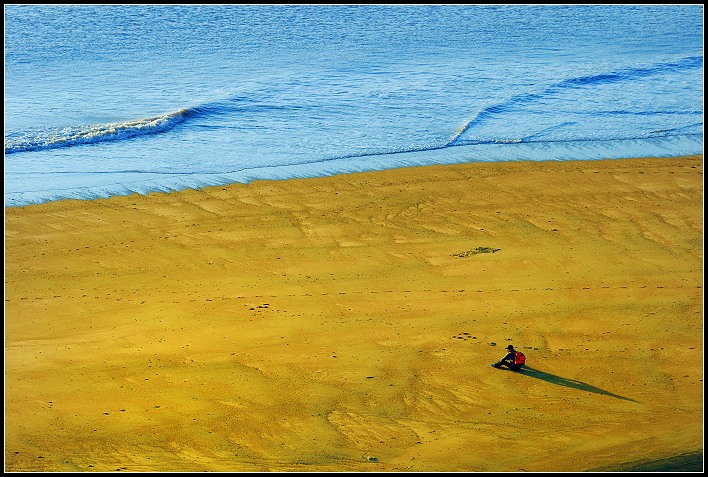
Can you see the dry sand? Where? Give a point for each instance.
(347, 324)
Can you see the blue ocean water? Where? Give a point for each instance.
(104, 100)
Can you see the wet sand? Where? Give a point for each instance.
(348, 323)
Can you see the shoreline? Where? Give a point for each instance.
(454, 155)
(347, 322)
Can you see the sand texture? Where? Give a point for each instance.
(348, 323)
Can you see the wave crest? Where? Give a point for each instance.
(589, 81)
(51, 138)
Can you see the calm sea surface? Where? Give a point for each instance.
(110, 100)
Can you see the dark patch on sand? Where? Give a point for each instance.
(688, 462)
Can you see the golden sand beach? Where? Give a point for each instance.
(348, 323)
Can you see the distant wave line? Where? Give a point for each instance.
(524, 140)
(581, 81)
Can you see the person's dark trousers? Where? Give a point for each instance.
(508, 364)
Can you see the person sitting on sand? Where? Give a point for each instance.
(513, 359)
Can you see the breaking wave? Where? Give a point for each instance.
(50, 138)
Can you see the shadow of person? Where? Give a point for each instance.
(571, 383)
